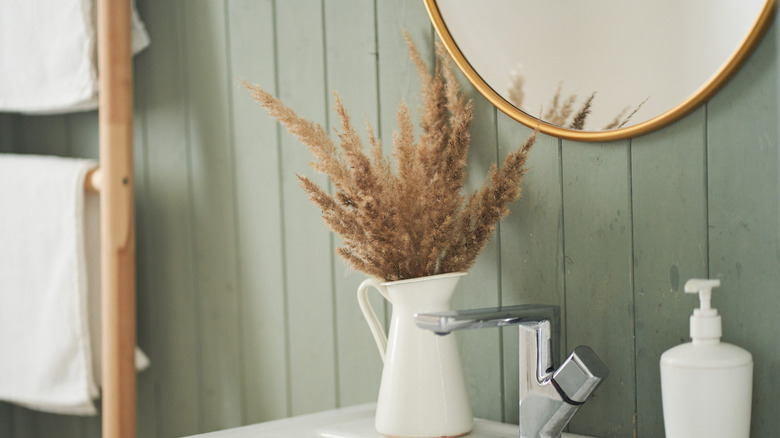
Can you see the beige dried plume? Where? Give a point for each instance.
(578, 122)
(409, 220)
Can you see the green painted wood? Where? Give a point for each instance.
(670, 246)
(23, 422)
(213, 212)
(43, 135)
(83, 134)
(146, 402)
(397, 74)
(480, 350)
(6, 420)
(308, 252)
(167, 295)
(7, 132)
(47, 425)
(292, 337)
(93, 428)
(599, 299)
(351, 59)
(258, 219)
(531, 244)
(744, 238)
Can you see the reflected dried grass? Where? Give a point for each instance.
(561, 108)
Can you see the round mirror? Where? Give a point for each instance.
(603, 69)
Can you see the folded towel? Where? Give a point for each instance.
(49, 284)
(48, 53)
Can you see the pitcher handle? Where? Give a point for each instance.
(368, 312)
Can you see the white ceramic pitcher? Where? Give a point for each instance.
(423, 393)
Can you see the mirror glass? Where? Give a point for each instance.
(591, 68)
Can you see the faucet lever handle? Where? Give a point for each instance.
(579, 375)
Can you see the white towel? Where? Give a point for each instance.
(48, 53)
(49, 285)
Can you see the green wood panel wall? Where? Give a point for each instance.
(260, 266)
(308, 253)
(247, 314)
(352, 71)
(166, 296)
(597, 271)
(742, 168)
(481, 349)
(531, 240)
(7, 132)
(669, 186)
(213, 211)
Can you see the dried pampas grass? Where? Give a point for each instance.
(409, 220)
(559, 110)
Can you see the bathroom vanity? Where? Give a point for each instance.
(351, 422)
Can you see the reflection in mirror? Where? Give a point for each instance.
(600, 65)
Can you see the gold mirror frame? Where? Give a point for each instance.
(704, 93)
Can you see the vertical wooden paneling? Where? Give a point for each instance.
(480, 350)
(168, 295)
(59, 425)
(213, 209)
(531, 240)
(670, 247)
(599, 298)
(6, 420)
(7, 133)
(351, 59)
(742, 142)
(397, 74)
(43, 135)
(258, 220)
(23, 422)
(146, 402)
(308, 252)
(246, 313)
(83, 134)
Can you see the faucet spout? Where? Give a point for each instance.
(549, 397)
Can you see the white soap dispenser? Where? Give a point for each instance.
(706, 384)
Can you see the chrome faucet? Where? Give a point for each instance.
(549, 397)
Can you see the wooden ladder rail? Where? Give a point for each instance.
(117, 230)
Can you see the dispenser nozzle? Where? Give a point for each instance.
(705, 321)
(704, 288)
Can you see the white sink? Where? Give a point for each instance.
(351, 422)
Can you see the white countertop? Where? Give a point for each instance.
(351, 422)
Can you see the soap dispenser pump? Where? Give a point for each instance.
(706, 385)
